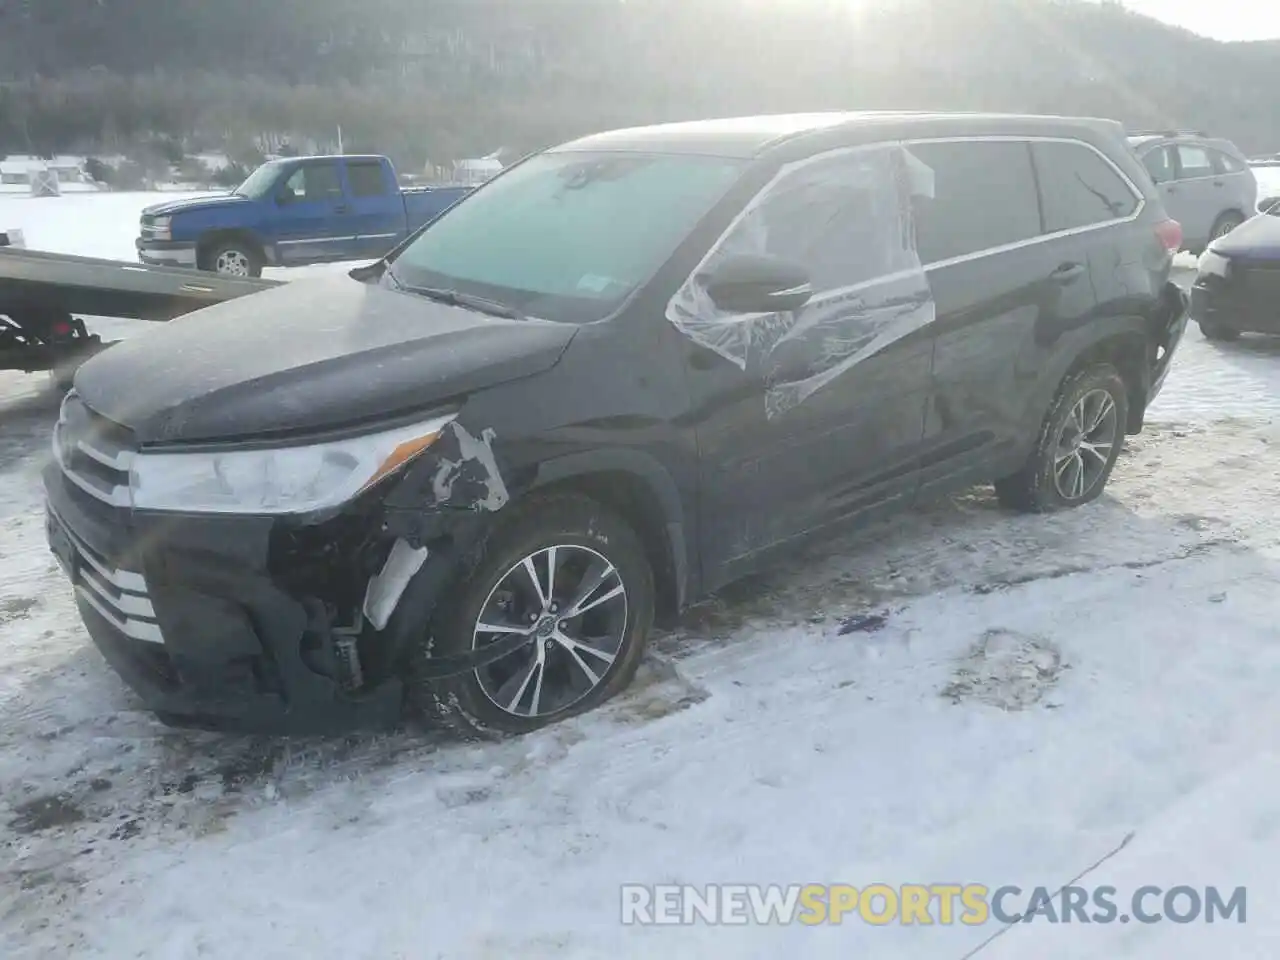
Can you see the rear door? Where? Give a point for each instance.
(377, 206)
(1236, 184)
(995, 282)
(313, 219)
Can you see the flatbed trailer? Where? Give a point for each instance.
(43, 297)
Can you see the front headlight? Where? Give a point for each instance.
(162, 228)
(1214, 263)
(279, 480)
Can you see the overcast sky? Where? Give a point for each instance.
(1221, 19)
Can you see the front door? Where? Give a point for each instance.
(815, 416)
(314, 221)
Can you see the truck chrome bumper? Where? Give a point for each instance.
(166, 254)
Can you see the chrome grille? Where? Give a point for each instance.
(119, 596)
(93, 452)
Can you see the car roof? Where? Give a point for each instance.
(754, 136)
(330, 156)
(1218, 143)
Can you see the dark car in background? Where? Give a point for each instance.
(1237, 285)
(623, 373)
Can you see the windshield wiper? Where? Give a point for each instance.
(454, 298)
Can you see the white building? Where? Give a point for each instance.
(18, 168)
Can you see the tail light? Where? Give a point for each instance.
(1170, 234)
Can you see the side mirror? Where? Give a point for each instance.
(284, 197)
(758, 284)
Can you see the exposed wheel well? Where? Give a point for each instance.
(632, 499)
(215, 238)
(1127, 352)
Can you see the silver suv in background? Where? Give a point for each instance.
(1205, 182)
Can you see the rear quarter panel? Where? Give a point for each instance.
(424, 205)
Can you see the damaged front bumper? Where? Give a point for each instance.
(195, 615)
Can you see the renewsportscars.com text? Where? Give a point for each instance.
(936, 903)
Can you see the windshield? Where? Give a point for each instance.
(567, 236)
(259, 183)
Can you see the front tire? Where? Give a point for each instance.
(234, 259)
(1079, 442)
(573, 577)
(1219, 333)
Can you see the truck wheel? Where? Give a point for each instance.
(572, 577)
(234, 259)
(1079, 441)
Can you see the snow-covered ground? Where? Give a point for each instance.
(1041, 689)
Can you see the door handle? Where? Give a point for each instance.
(1218, 183)
(1067, 272)
(340, 208)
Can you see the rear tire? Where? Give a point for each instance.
(543, 681)
(1224, 225)
(1079, 441)
(1216, 331)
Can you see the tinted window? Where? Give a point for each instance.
(837, 217)
(568, 236)
(1159, 164)
(365, 178)
(984, 196)
(845, 218)
(1194, 162)
(315, 183)
(1078, 187)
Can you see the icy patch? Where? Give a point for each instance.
(1005, 669)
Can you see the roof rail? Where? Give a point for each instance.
(1169, 133)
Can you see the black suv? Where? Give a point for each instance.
(621, 374)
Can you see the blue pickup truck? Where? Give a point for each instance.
(291, 212)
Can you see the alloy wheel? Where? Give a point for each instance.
(1084, 445)
(232, 263)
(571, 604)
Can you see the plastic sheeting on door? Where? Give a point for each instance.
(845, 216)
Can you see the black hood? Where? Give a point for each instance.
(308, 356)
(1258, 238)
